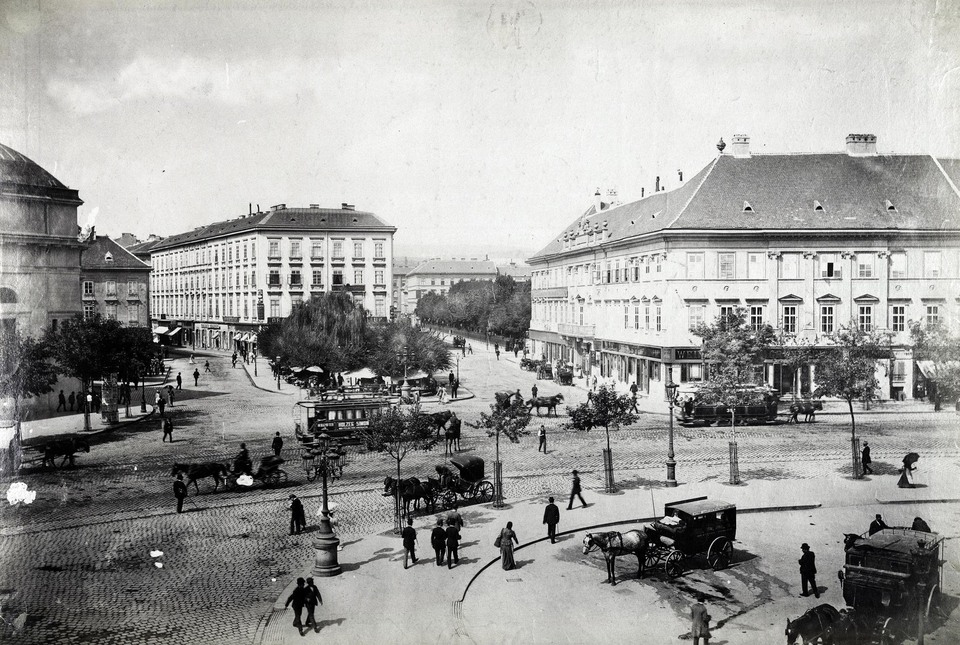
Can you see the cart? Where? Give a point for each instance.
(689, 528)
(544, 371)
(467, 485)
(270, 472)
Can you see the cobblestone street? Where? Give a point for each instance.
(78, 560)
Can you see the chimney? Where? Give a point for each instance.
(597, 203)
(656, 188)
(250, 212)
(861, 145)
(680, 172)
(278, 207)
(642, 190)
(347, 207)
(740, 146)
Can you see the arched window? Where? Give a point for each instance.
(8, 296)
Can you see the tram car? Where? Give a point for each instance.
(697, 408)
(339, 420)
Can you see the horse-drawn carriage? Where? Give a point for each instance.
(544, 371)
(891, 582)
(46, 450)
(467, 485)
(688, 528)
(459, 342)
(529, 364)
(564, 375)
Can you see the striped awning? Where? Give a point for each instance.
(160, 330)
(236, 336)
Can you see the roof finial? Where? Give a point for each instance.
(721, 145)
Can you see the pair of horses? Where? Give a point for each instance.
(807, 408)
(548, 402)
(412, 490)
(66, 448)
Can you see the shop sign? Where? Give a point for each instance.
(687, 354)
(231, 319)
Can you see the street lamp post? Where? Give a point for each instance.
(276, 366)
(325, 562)
(458, 367)
(404, 356)
(143, 394)
(671, 390)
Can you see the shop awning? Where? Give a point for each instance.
(236, 336)
(160, 330)
(248, 338)
(929, 369)
(174, 332)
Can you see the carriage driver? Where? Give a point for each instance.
(242, 463)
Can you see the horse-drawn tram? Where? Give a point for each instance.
(891, 583)
(338, 419)
(465, 486)
(688, 528)
(696, 408)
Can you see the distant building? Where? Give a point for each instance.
(126, 240)
(519, 272)
(214, 286)
(804, 242)
(142, 249)
(437, 276)
(114, 283)
(402, 265)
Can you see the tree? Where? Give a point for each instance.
(397, 345)
(940, 346)
(25, 370)
(398, 432)
(510, 421)
(604, 408)
(848, 370)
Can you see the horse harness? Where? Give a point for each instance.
(610, 546)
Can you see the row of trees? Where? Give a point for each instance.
(333, 332)
(501, 306)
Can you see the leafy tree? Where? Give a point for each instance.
(941, 346)
(501, 305)
(398, 432)
(394, 341)
(510, 421)
(603, 409)
(25, 369)
(848, 369)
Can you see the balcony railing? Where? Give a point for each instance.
(578, 331)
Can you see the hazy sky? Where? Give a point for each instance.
(472, 127)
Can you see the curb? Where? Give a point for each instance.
(939, 500)
(254, 384)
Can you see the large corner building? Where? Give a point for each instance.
(804, 242)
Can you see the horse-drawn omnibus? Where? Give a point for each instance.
(696, 407)
(338, 419)
(691, 527)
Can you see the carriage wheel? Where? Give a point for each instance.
(651, 559)
(719, 553)
(448, 498)
(933, 600)
(888, 633)
(674, 564)
(484, 492)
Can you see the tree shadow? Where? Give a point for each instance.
(639, 483)
(382, 554)
(770, 474)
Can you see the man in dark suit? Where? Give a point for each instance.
(62, 402)
(808, 570)
(409, 535)
(877, 525)
(179, 491)
(551, 517)
(438, 540)
(299, 599)
(453, 543)
(277, 445)
(575, 491)
(865, 459)
(298, 518)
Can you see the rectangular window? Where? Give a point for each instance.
(358, 276)
(274, 307)
(727, 267)
(378, 250)
(244, 278)
(111, 312)
(864, 265)
(898, 318)
(89, 309)
(88, 288)
(616, 271)
(646, 264)
(244, 251)
(931, 264)
(273, 278)
(316, 249)
(826, 319)
(380, 307)
(726, 311)
(691, 372)
(273, 249)
(253, 250)
(337, 277)
(296, 279)
(338, 249)
(626, 316)
(865, 317)
(756, 316)
(829, 266)
(596, 273)
(253, 278)
(317, 278)
(898, 265)
(133, 288)
(790, 266)
(111, 288)
(694, 315)
(608, 273)
(133, 315)
(659, 311)
(933, 315)
(358, 249)
(789, 319)
(246, 305)
(694, 266)
(658, 260)
(755, 266)
(646, 316)
(378, 277)
(295, 249)
(296, 300)
(636, 316)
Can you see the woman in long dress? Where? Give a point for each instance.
(906, 475)
(507, 538)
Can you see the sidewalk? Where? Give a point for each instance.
(73, 423)
(376, 600)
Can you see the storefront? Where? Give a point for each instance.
(626, 363)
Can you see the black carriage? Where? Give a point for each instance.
(544, 371)
(467, 485)
(689, 528)
(891, 583)
(564, 375)
(459, 342)
(270, 472)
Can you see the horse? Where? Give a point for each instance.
(439, 420)
(198, 471)
(505, 399)
(65, 448)
(452, 436)
(808, 408)
(815, 626)
(411, 490)
(613, 544)
(548, 402)
(850, 539)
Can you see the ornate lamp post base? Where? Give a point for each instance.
(671, 474)
(325, 564)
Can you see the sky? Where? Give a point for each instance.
(475, 128)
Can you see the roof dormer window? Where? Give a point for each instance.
(817, 206)
(108, 257)
(747, 208)
(890, 206)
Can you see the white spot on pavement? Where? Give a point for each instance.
(158, 565)
(156, 554)
(245, 480)
(18, 494)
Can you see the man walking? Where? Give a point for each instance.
(453, 543)
(534, 390)
(470, 348)
(233, 360)
(179, 491)
(206, 366)
(808, 570)
(542, 437)
(633, 393)
(454, 388)
(575, 491)
(438, 540)
(877, 525)
(865, 459)
(71, 400)
(277, 445)
(196, 377)
(61, 402)
(298, 517)
(160, 402)
(551, 517)
(455, 517)
(409, 535)
(299, 599)
(167, 429)
(179, 381)
(700, 627)
(311, 600)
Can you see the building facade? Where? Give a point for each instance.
(402, 265)
(212, 287)
(437, 276)
(114, 283)
(803, 242)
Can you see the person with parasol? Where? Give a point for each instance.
(906, 474)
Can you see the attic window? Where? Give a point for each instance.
(108, 257)
(747, 208)
(323, 219)
(890, 206)
(817, 206)
(355, 220)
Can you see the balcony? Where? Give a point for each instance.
(316, 258)
(550, 292)
(576, 331)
